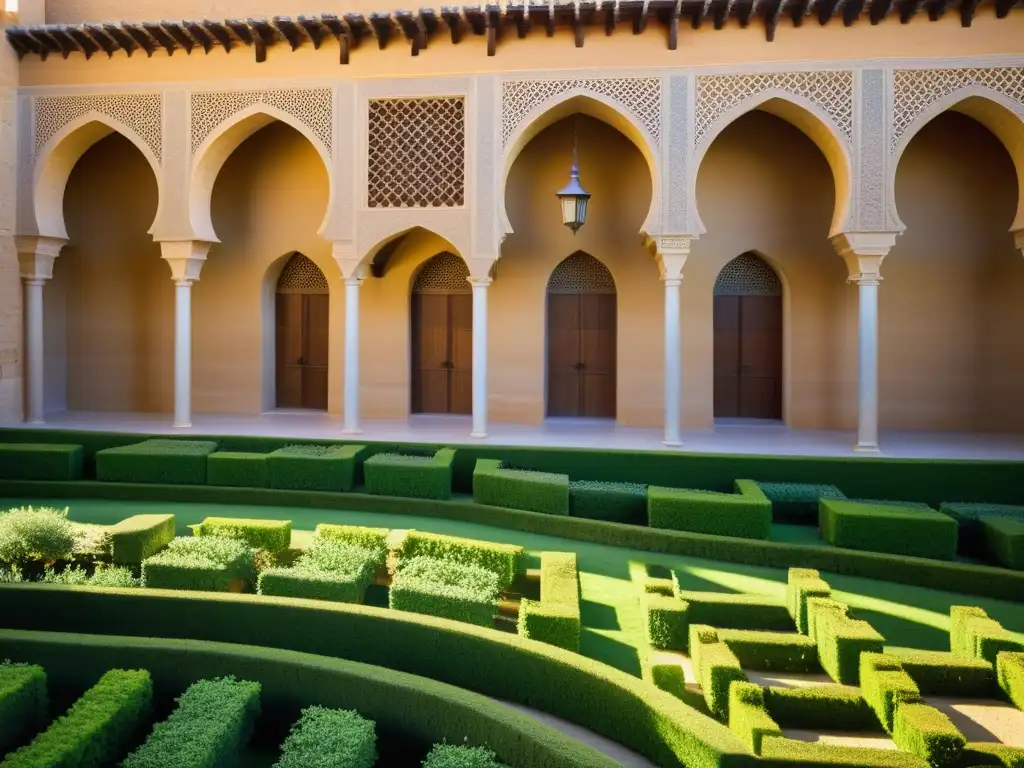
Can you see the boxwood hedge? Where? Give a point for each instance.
(176, 462)
(208, 563)
(893, 529)
(504, 560)
(1010, 672)
(446, 588)
(135, 538)
(555, 618)
(315, 467)
(744, 514)
(272, 535)
(410, 476)
(24, 703)
(329, 738)
(40, 461)
(500, 486)
(238, 469)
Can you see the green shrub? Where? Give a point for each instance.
(719, 668)
(11, 575)
(504, 560)
(210, 726)
(820, 607)
(116, 577)
(271, 535)
(1004, 541)
(728, 611)
(968, 516)
(701, 636)
(984, 753)
(926, 732)
(886, 686)
(895, 503)
(417, 477)
(668, 677)
(24, 704)
(782, 751)
(748, 717)
(452, 756)
(135, 538)
(447, 589)
(329, 738)
(974, 635)
(800, 586)
(772, 651)
(745, 514)
(40, 461)
(841, 641)
(499, 486)
(1010, 672)
(237, 470)
(604, 500)
(97, 729)
(555, 619)
(36, 533)
(209, 563)
(373, 539)
(893, 529)
(667, 624)
(164, 461)
(943, 674)
(821, 708)
(329, 570)
(73, 576)
(797, 502)
(314, 467)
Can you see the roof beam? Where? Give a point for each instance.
(101, 38)
(141, 37)
(383, 28)
(879, 10)
(292, 32)
(772, 13)
(178, 34)
(85, 42)
(826, 10)
(221, 33)
(199, 33)
(851, 11)
(1003, 8)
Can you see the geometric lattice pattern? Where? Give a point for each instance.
(639, 96)
(747, 275)
(914, 90)
(142, 112)
(313, 107)
(831, 90)
(445, 273)
(416, 155)
(301, 275)
(581, 273)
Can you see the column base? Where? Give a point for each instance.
(478, 435)
(866, 448)
(35, 421)
(181, 424)
(672, 443)
(353, 431)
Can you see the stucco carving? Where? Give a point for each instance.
(484, 240)
(444, 273)
(312, 107)
(678, 147)
(638, 96)
(581, 273)
(831, 90)
(142, 112)
(871, 186)
(301, 275)
(914, 90)
(747, 275)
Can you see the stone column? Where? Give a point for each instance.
(350, 424)
(672, 253)
(185, 258)
(36, 256)
(480, 285)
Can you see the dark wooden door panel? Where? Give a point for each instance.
(597, 353)
(442, 353)
(460, 378)
(564, 354)
(727, 335)
(748, 357)
(761, 330)
(460, 391)
(288, 380)
(598, 396)
(314, 388)
(727, 396)
(316, 329)
(563, 393)
(759, 398)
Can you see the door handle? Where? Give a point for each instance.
(302, 361)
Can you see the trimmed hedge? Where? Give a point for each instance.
(177, 462)
(211, 724)
(568, 685)
(1004, 541)
(99, 727)
(797, 502)
(804, 583)
(886, 686)
(667, 624)
(842, 641)
(209, 563)
(821, 708)
(974, 635)
(748, 717)
(818, 608)
(719, 668)
(40, 461)
(892, 529)
(987, 753)
(745, 514)
(1010, 672)
(314, 467)
(968, 516)
(503, 560)
(447, 589)
(783, 751)
(408, 476)
(24, 704)
(700, 636)
(329, 738)
(372, 539)
(135, 538)
(669, 618)
(497, 485)
(329, 570)
(772, 651)
(942, 674)
(237, 469)
(460, 756)
(272, 535)
(555, 618)
(926, 732)
(605, 500)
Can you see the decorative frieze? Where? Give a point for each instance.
(141, 112)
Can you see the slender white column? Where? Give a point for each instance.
(182, 353)
(673, 363)
(867, 364)
(34, 349)
(479, 356)
(351, 416)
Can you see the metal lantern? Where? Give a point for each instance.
(573, 197)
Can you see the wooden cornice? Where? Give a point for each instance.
(417, 29)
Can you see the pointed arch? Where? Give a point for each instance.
(599, 107)
(218, 146)
(444, 272)
(1003, 117)
(581, 273)
(749, 274)
(58, 157)
(376, 259)
(808, 118)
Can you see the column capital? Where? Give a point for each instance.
(349, 262)
(480, 266)
(185, 258)
(36, 255)
(671, 252)
(355, 280)
(479, 282)
(863, 253)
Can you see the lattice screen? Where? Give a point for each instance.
(747, 275)
(581, 273)
(417, 153)
(142, 112)
(444, 273)
(301, 275)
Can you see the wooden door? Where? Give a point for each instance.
(727, 356)
(460, 381)
(442, 353)
(581, 355)
(748, 356)
(303, 322)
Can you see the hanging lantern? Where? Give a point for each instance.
(573, 197)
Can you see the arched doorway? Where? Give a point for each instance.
(302, 319)
(442, 337)
(748, 340)
(581, 339)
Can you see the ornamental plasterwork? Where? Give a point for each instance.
(142, 112)
(581, 273)
(444, 273)
(640, 97)
(914, 90)
(830, 90)
(312, 107)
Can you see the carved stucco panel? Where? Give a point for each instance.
(142, 112)
(871, 188)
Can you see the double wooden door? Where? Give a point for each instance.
(303, 320)
(442, 353)
(581, 355)
(748, 357)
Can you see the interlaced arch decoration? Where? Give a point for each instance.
(581, 273)
(748, 275)
(443, 273)
(302, 275)
(142, 112)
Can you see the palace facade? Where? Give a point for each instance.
(817, 223)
